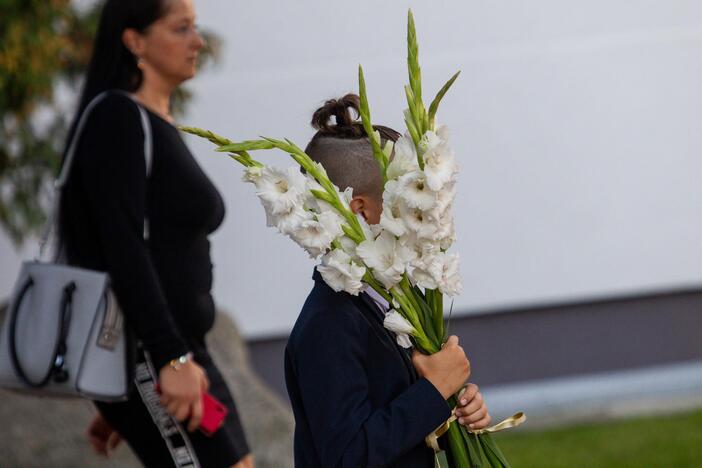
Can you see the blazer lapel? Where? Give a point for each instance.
(376, 317)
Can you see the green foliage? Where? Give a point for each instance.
(43, 44)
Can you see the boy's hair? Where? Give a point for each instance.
(343, 148)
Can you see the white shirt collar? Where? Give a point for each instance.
(380, 300)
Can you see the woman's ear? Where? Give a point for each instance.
(133, 42)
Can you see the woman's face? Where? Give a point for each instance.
(171, 44)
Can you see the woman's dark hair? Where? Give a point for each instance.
(112, 65)
(343, 148)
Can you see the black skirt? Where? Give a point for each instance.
(159, 440)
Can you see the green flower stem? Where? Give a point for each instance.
(459, 452)
(436, 302)
(414, 133)
(375, 284)
(242, 157)
(368, 125)
(425, 319)
(419, 120)
(311, 168)
(412, 106)
(415, 74)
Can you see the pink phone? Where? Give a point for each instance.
(213, 413)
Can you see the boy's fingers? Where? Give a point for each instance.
(482, 424)
(469, 394)
(473, 406)
(452, 341)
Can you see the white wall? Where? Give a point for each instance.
(578, 126)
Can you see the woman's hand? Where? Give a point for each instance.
(181, 392)
(471, 410)
(101, 436)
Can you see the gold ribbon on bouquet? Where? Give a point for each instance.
(513, 421)
(432, 439)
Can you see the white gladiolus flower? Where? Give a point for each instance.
(415, 192)
(395, 322)
(439, 166)
(311, 202)
(443, 133)
(447, 241)
(403, 340)
(391, 217)
(387, 258)
(316, 235)
(252, 174)
(365, 227)
(288, 223)
(349, 246)
(399, 325)
(445, 197)
(341, 273)
(281, 190)
(450, 283)
(427, 269)
(429, 141)
(420, 222)
(404, 160)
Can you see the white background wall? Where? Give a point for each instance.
(578, 126)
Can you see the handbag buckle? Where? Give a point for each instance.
(111, 328)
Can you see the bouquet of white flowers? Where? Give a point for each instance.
(405, 257)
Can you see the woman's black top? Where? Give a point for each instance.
(163, 284)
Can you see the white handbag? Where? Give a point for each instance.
(64, 333)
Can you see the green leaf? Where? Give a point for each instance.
(461, 455)
(474, 451)
(491, 446)
(437, 100)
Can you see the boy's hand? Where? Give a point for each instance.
(471, 410)
(447, 370)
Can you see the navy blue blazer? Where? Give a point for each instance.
(356, 397)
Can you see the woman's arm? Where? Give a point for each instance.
(112, 169)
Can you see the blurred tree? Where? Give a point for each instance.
(45, 45)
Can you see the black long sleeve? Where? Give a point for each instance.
(105, 203)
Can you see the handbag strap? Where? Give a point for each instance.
(59, 184)
(57, 369)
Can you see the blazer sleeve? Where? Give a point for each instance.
(330, 360)
(110, 163)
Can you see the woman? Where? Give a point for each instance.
(358, 398)
(145, 49)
